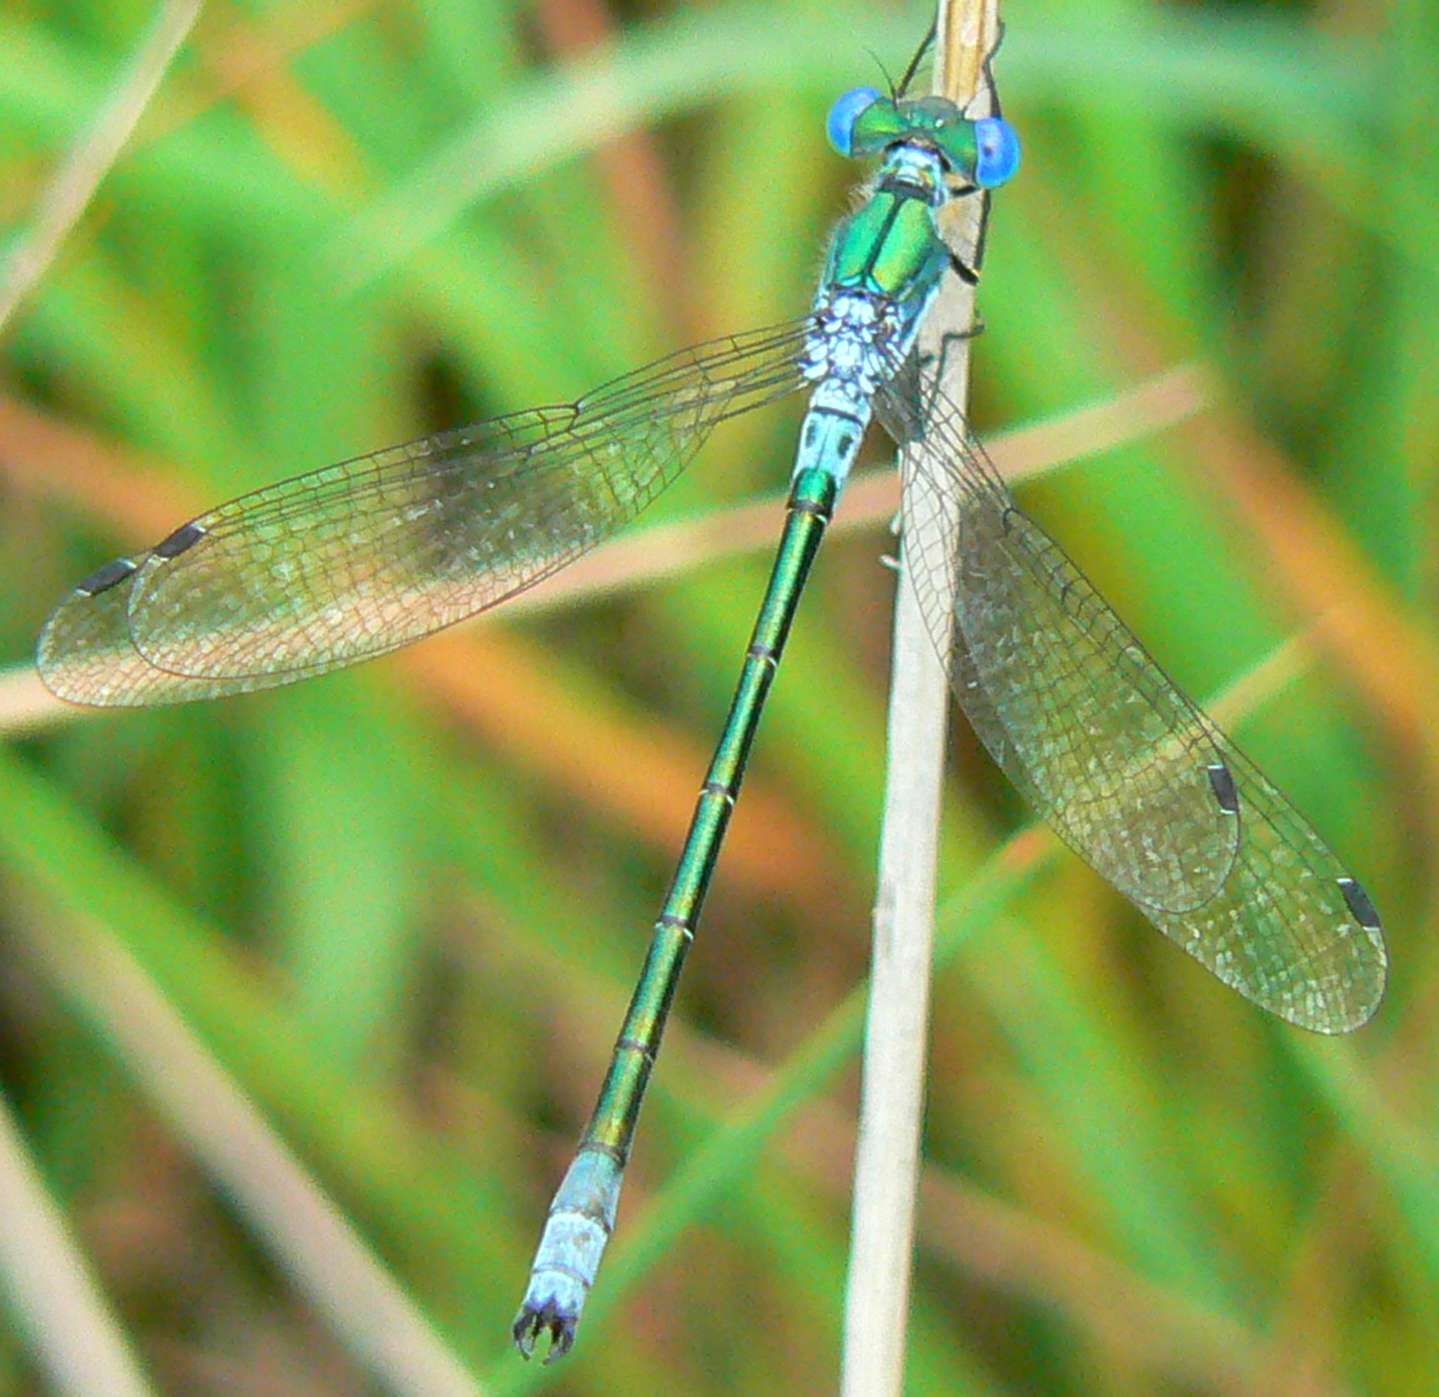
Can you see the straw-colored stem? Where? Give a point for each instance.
(53, 1295)
(281, 1202)
(892, 1099)
(74, 185)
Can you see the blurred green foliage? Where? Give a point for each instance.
(405, 929)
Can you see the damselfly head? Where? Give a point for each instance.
(862, 124)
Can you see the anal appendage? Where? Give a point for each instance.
(580, 1221)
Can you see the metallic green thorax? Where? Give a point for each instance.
(889, 248)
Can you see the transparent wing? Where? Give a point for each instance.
(1058, 689)
(1130, 773)
(358, 558)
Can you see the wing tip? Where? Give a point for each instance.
(1350, 1001)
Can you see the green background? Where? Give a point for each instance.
(398, 909)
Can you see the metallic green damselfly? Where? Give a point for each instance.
(359, 558)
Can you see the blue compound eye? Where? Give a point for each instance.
(843, 115)
(997, 143)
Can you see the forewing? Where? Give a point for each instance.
(1130, 773)
(1290, 929)
(358, 558)
(85, 654)
(1059, 690)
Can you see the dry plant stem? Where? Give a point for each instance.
(892, 1096)
(304, 1231)
(75, 183)
(63, 1312)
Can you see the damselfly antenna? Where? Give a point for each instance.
(884, 73)
(914, 62)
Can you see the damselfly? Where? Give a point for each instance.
(356, 559)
